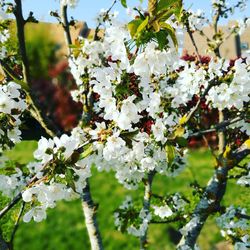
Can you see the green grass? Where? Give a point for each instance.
(64, 228)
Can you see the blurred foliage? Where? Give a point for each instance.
(41, 50)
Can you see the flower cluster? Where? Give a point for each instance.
(12, 105)
(11, 185)
(197, 20)
(60, 173)
(130, 122)
(230, 88)
(245, 179)
(44, 196)
(138, 225)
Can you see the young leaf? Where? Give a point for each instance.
(170, 154)
(142, 26)
(152, 6)
(179, 132)
(133, 26)
(171, 31)
(124, 3)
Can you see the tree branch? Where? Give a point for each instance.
(146, 205)
(16, 226)
(88, 206)
(100, 23)
(65, 25)
(211, 198)
(90, 209)
(49, 127)
(217, 127)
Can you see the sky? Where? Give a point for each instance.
(87, 10)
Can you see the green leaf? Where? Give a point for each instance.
(142, 26)
(161, 39)
(181, 141)
(128, 136)
(179, 132)
(171, 31)
(165, 4)
(69, 176)
(87, 151)
(133, 26)
(152, 6)
(124, 3)
(170, 154)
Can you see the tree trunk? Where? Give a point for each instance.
(89, 210)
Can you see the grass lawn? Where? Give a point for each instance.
(64, 228)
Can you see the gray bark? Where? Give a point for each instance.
(89, 210)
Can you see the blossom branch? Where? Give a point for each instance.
(211, 198)
(100, 23)
(16, 199)
(191, 36)
(89, 209)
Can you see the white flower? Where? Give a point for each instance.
(163, 211)
(158, 130)
(244, 180)
(44, 151)
(128, 114)
(70, 3)
(100, 127)
(68, 143)
(151, 62)
(38, 213)
(147, 164)
(114, 147)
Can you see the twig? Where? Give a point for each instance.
(190, 33)
(218, 127)
(16, 225)
(100, 23)
(36, 113)
(171, 220)
(243, 216)
(65, 25)
(16, 199)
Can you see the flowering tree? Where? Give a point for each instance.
(141, 105)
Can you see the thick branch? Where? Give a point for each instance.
(65, 25)
(20, 22)
(88, 206)
(211, 198)
(89, 209)
(146, 205)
